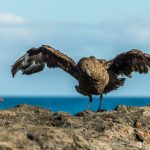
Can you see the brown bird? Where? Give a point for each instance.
(95, 76)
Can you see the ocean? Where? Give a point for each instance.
(73, 105)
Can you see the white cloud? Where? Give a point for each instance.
(8, 18)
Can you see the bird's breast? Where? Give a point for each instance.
(93, 77)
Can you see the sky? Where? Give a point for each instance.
(78, 29)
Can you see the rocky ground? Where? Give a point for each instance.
(26, 127)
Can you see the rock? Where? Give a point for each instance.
(1, 99)
(27, 127)
(147, 147)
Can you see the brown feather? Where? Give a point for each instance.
(95, 76)
(114, 83)
(133, 60)
(54, 58)
(35, 59)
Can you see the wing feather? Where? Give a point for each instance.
(36, 59)
(131, 61)
(114, 82)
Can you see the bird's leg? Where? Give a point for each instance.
(90, 102)
(100, 105)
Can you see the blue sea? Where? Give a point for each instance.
(73, 105)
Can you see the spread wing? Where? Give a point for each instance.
(126, 63)
(36, 59)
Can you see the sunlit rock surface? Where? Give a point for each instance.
(26, 127)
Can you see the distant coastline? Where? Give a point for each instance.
(73, 104)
